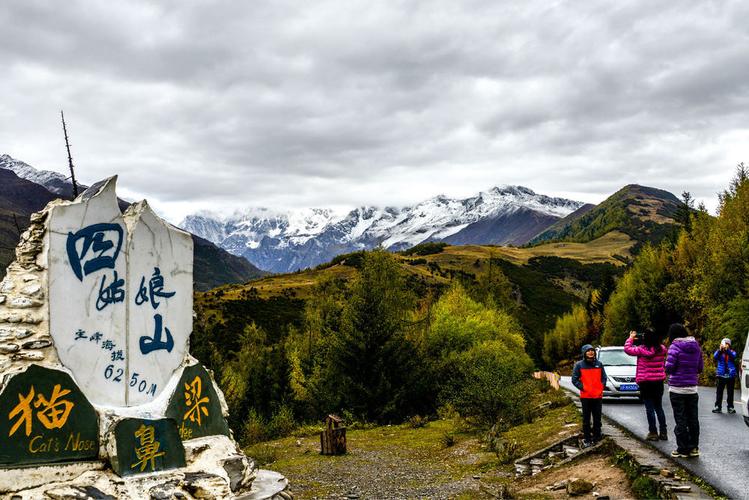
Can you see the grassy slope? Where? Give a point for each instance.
(643, 213)
(612, 248)
(548, 280)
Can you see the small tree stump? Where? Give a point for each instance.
(333, 437)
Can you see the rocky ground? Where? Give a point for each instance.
(605, 477)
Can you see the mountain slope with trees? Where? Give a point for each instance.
(381, 336)
(645, 214)
(698, 278)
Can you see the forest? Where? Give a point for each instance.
(383, 347)
(698, 277)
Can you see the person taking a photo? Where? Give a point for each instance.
(650, 375)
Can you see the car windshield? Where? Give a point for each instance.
(616, 358)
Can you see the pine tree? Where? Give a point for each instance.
(372, 361)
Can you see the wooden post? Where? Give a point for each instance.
(333, 437)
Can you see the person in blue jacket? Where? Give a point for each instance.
(725, 371)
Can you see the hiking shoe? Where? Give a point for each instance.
(663, 436)
(652, 436)
(587, 444)
(717, 409)
(731, 410)
(678, 454)
(694, 453)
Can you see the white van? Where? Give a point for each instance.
(744, 381)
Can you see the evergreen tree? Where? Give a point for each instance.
(372, 361)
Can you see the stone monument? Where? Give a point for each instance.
(99, 396)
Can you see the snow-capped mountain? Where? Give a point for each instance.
(53, 181)
(25, 190)
(286, 241)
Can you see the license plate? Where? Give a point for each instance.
(629, 387)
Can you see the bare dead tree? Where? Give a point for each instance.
(70, 157)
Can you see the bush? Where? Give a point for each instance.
(263, 454)
(417, 421)
(448, 439)
(428, 248)
(645, 487)
(494, 386)
(282, 423)
(254, 429)
(507, 451)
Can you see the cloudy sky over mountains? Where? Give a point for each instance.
(339, 103)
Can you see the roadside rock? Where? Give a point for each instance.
(577, 486)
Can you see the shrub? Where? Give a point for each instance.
(263, 454)
(494, 388)
(282, 423)
(417, 421)
(448, 439)
(428, 248)
(254, 429)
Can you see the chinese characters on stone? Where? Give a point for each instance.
(52, 412)
(148, 449)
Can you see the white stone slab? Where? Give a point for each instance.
(87, 247)
(159, 302)
(123, 343)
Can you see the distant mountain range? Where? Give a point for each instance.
(286, 241)
(25, 190)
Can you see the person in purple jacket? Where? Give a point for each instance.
(683, 365)
(650, 376)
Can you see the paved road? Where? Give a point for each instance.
(724, 439)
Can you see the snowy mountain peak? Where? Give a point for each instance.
(54, 181)
(283, 241)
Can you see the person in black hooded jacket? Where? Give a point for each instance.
(589, 376)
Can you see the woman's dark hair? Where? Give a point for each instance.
(676, 331)
(652, 339)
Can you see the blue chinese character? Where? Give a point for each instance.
(95, 337)
(108, 345)
(148, 344)
(110, 294)
(80, 334)
(118, 356)
(99, 249)
(155, 289)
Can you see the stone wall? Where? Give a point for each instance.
(24, 312)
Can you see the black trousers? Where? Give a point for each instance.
(728, 383)
(687, 428)
(592, 408)
(651, 393)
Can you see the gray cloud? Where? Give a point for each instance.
(332, 103)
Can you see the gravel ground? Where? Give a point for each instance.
(388, 473)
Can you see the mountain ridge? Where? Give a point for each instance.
(286, 241)
(642, 212)
(22, 193)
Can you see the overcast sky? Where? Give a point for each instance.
(221, 105)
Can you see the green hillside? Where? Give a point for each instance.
(643, 213)
(545, 280)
